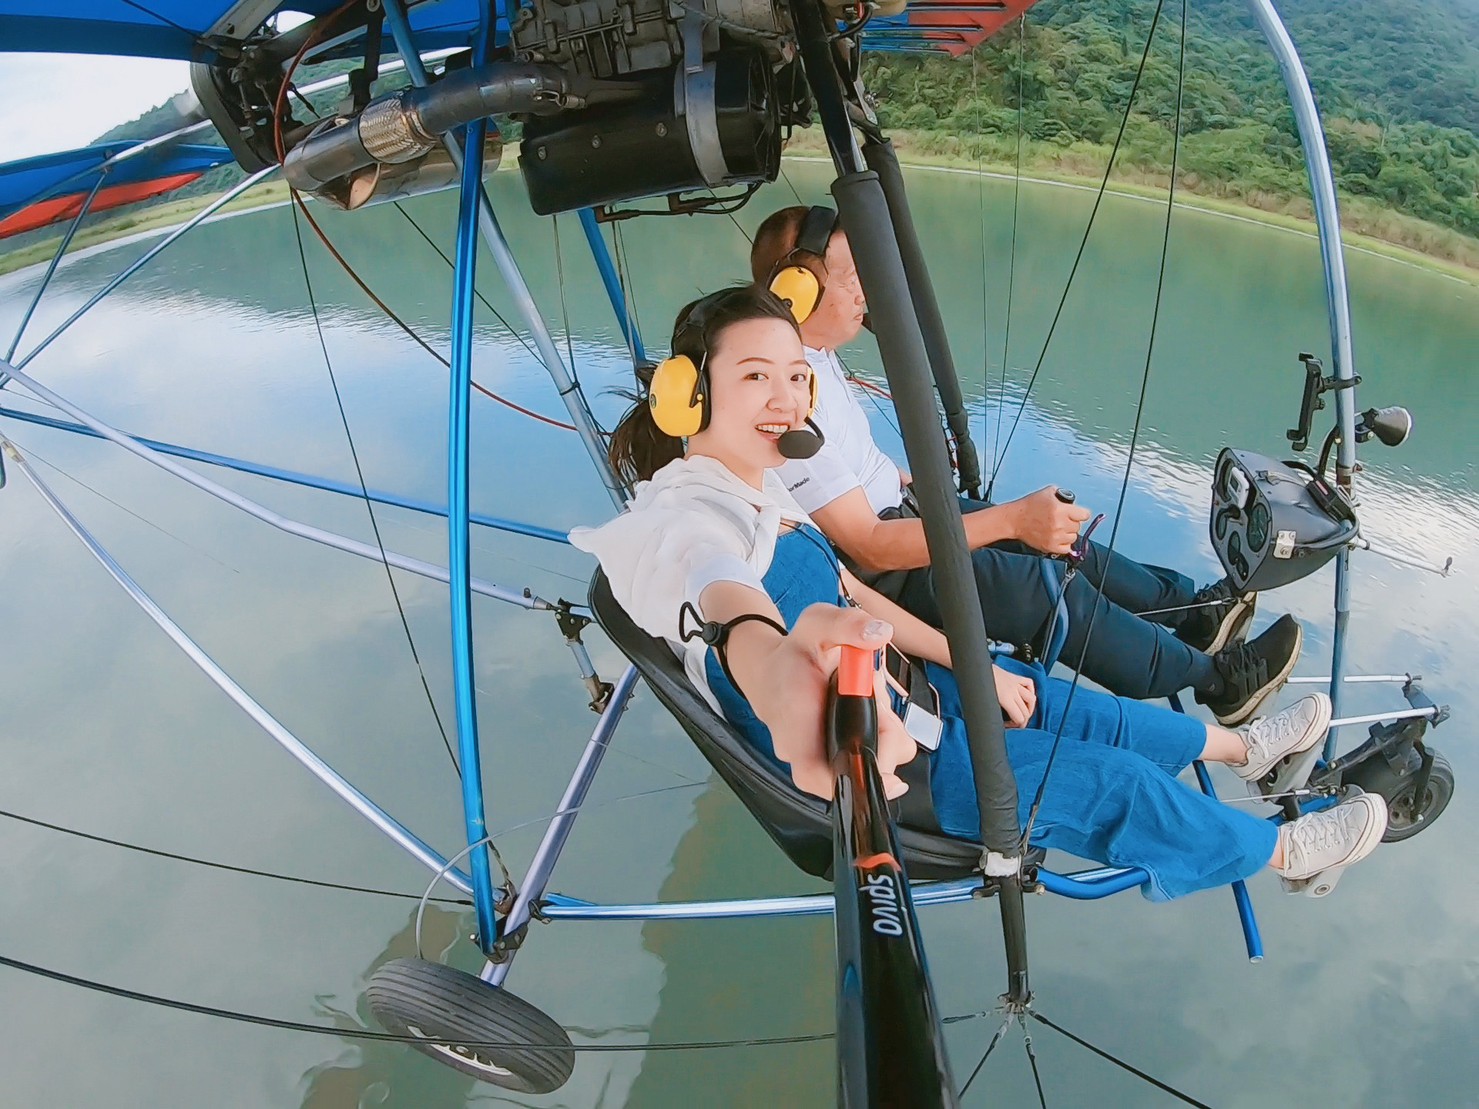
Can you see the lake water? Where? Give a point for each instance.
(1370, 997)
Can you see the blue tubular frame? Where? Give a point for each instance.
(611, 280)
(51, 267)
(459, 537)
(1252, 938)
(1338, 308)
(1085, 885)
(293, 477)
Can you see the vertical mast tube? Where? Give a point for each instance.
(1332, 257)
(458, 547)
(865, 216)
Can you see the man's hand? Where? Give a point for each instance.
(1046, 523)
(789, 689)
(1018, 696)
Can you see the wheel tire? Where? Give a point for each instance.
(1406, 819)
(414, 997)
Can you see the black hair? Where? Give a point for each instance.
(638, 447)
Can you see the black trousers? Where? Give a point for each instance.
(1129, 655)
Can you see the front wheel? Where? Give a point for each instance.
(415, 997)
(1408, 813)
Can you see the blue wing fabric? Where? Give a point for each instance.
(73, 171)
(184, 29)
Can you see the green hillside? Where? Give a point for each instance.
(1398, 85)
(1399, 88)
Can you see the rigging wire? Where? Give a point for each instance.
(686, 783)
(1083, 243)
(791, 185)
(163, 19)
(359, 474)
(624, 275)
(996, 1039)
(1006, 337)
(981, 229)
(564, 309)
(1139, 409)
(519, 408)
(1136, 1071)
(302, 205)
(213, 865)
(1042, 1100)
(128, 511)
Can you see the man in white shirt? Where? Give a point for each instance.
(858, 497)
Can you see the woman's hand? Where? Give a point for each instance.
(788, 689)
(1018, 696)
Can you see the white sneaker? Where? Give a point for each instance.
(1320, 845)
(1283, 748)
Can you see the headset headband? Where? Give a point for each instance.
(816, 231)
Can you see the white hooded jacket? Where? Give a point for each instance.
(693, 524)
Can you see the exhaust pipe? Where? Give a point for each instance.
(403, 126)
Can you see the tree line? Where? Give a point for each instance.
(1398, 88)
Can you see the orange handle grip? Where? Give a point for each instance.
(855, 672)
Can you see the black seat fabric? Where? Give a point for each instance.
(798, 822)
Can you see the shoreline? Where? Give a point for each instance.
(803, 148)
(167, 216)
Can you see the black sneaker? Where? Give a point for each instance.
(1253, 672)
(1217, 617)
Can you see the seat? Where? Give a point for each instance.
(798, 822)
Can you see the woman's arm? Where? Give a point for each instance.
(785, 679)
(1016, 694)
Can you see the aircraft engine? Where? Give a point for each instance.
(618, 99)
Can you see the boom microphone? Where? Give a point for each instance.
(801, 443)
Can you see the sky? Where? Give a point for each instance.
(60, 101)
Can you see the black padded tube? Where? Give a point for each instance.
(865, 217)
(882, 161)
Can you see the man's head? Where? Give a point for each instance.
(838, 316)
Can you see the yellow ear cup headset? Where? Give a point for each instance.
(678, 394)
(800, 285)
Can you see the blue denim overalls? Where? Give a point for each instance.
(1112, 796)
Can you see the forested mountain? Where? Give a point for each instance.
(1398, 86)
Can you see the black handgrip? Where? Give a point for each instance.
(1065, 495)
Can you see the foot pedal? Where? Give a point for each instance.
(1317, 885)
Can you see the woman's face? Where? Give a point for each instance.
(760, 388)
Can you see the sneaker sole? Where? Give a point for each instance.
(1234, 626)
(1249, 709)
(1322, 882)
(1293, 769)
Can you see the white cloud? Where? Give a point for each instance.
(59, 101)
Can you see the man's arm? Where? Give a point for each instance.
(1040, 520)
